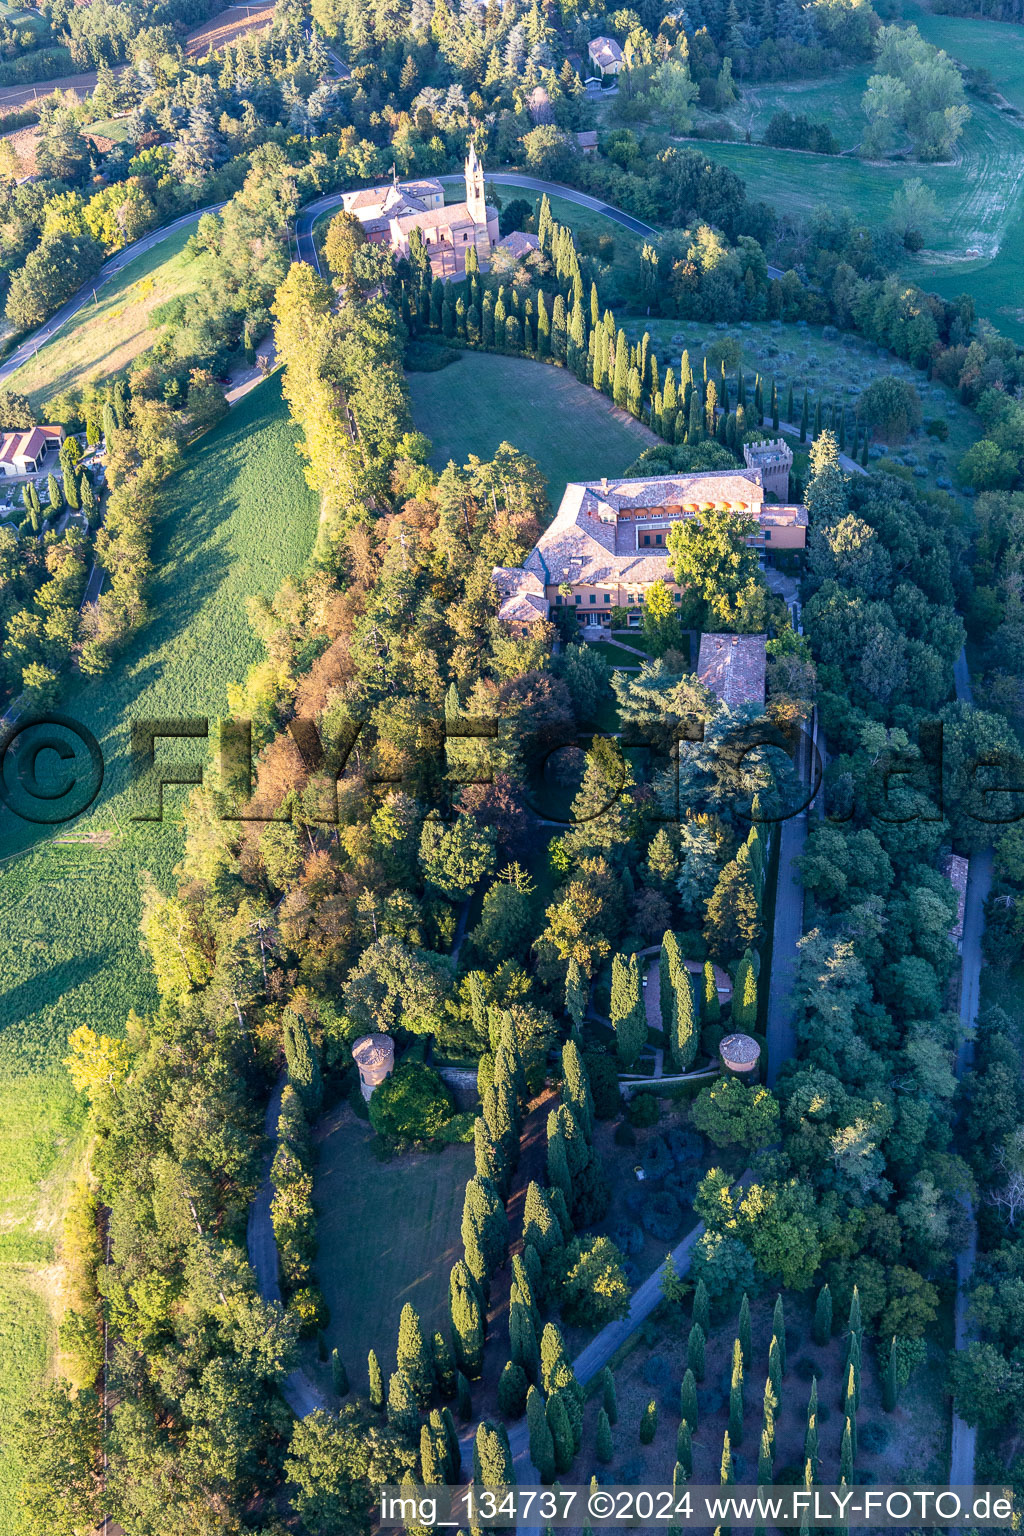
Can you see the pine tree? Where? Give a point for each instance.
(414, 1357)
(745, 1338)
(463, 1398)
(779, 1330)
(609, 1401)
(688, 1400)
(542, 1445)
(376, 1382)
(339, 1375)
(649, 1422)
(736, 1395)
(684, 1447)
(727, 1471)
(576, 990)
(891, 1380)
(711, 1008)
(821, 1330)
(695, 1351)
(467, 1320)
(701, 1314)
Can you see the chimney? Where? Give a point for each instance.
(604, 483)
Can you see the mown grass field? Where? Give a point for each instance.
(235, 521)
(105, 337)
(388, 1233)
(484, 400)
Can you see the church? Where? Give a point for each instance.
(391, 212)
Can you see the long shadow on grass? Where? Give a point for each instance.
(46, 987)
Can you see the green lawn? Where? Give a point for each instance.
(484, 400)
(388, 1233)
(116, 128)
(25, 1343)
(235, 521)
(107, 335)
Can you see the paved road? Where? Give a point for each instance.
(979, 882)
(297, 1390)
(84, 295)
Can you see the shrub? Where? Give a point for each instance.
(657, 1159)
(643, 1110)
(649, 1422)
(309, 1310)
(429, 357)
(628, 1237)
(873, 1437)
(604, 1083)
(789, 130)
(938, 427)
(890, 408)
(661, 1215)
(625, 1136)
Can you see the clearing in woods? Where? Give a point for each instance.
(387, 1233)
(104, 337)
(572, 432)
(234, 522)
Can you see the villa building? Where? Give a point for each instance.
(391, 212)
(606, 56)
(609, 541)
(28, 452)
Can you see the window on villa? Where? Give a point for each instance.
(593, 597)
(647, 538)
(607, 597)
(657, 538)
(578, 599)
(629, 599)
(678, 596)
(558, 602)
(767, 533)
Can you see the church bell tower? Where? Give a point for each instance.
(476, 201)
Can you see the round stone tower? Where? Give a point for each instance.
(374, 1055)
(740, 1055)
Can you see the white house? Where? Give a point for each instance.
(29, 451)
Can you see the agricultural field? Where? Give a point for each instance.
(234, 522)
(484, 400)
(101, 340)
(227, 27)
(397, 1219)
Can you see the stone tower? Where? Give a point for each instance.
(476, 202)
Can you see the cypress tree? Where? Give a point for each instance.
(492, 1459)
(609, 1401)
(467, 1320)
(850, 1402)
(695, 1351)
(463, 1398)
(775, 1369)
(684, 1447)
(775, 408)
(604, 1447)
(846, 1453)
(701, 1314)
(558, 1159)
(339, 1375)
(523, 1346)
(376, 1382)
(576, 990)
(447, 1423)
(649, 1422)
(414, 1358)
(542, 1445)
(817, 417)
(669, 961)
(695, 430)
(779, 1330)
(688, 1400)
(746, 1343)
(576, 1088)
(711, 1008)
(803, 419)
(744, 997)
(557, 1375)
(301, 1060)
(512, 1390)
(727, 1471)
(444, 1365)
(685, 1029)
(629, 1017)
(769, 1410)
(669, 399)
(560, 1424)
(853, 1363)
(789, 406)
(811, 1435)
(484, 1229)
(489, 1158)
(543, 327)
(890, 1381)
(864, 451)
(736, 1395)
(433, 1456)
(853, 1322)
(764, 1460)
(821, 1331)
(401, 1409)
(53, 495)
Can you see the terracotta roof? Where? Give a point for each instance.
(519, 244)
(523, 594)
(587, 138)
(452, 217)
(605, 51)
(733, 667)
(27, 445)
